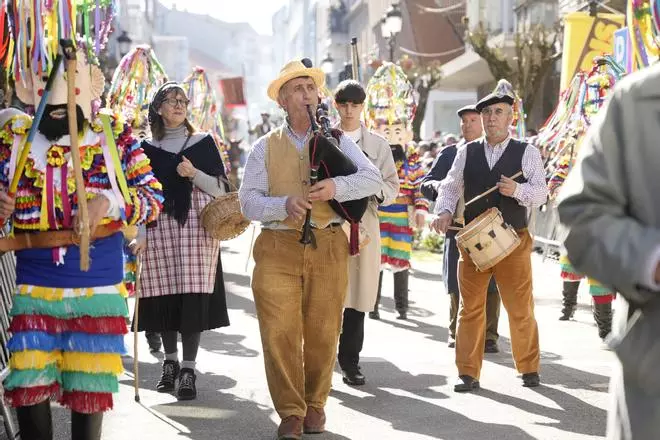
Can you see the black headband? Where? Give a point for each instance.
(160, 96)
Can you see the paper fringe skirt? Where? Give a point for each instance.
(396, 236)
(66, 345)
(600, 293)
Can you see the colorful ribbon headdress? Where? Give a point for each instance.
(390, 97)
(36, 26)
(203, 110)
(134, 83)
(562, 133)
(203, 102)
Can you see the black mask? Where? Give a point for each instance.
(398, 153)
(54, 129)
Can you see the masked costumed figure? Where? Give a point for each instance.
(389, 111)
(563, 134)
(68, 322)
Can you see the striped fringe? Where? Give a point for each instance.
(94, 306)
(568, 272)
(87, 403)
(70, 342)
(67, 345)
(111, 325)
(33, 395)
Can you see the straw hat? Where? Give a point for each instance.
(291, 70)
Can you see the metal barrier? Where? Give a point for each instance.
(546, 230)
(7, 287)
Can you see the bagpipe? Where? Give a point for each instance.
(326, 160)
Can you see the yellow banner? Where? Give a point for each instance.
(586, 37)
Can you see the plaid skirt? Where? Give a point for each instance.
(180, 259)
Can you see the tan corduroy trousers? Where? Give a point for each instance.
(299, 293)
(514, 280)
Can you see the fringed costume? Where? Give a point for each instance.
(561, 138)
(389, 111)
(68, 325)
(68, 316)
(396, 229)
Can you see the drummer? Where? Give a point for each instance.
(480, 165)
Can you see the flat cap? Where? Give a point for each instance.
(467, 109)
(493, 98)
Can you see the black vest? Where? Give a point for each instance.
(478, 177)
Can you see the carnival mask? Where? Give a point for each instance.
(89, 86)
(396, 134)
(55, 122)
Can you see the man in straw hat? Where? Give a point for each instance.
(471, 129)
(480, 165)
(299, 290)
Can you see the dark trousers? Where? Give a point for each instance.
(400, 290)
(492, 312)
(351, 339)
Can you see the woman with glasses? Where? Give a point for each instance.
(182, 286)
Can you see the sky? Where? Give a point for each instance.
(258, 13)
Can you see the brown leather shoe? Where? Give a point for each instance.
(314, 421)
(290, 428)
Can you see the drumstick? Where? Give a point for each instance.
(485, 193)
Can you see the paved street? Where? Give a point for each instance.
(409, 369)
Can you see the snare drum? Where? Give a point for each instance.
(487, 240)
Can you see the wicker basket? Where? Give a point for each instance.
(222, 217)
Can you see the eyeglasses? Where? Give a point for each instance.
(174, 102)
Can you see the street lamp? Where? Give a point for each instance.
(327, 66)
(390, 26)
(124, 42)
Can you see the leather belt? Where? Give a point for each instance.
(50, 239)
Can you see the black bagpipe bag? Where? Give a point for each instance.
(332, 162)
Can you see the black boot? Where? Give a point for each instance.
(86, 426)
(375, 314)
(154, 341)
(187, 389)
(401, 293)
(603, 317)
(168, 377)
(570, 299)
(35, 422)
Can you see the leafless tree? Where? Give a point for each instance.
(535, 52)
(424, 77)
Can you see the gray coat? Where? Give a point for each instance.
(611, 206)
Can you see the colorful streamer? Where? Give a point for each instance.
(203, 110)
(643, 18)
(35, 27)
(134, 82)
(560, 136)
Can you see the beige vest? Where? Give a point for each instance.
(288, 175)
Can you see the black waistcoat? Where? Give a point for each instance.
(478, 177)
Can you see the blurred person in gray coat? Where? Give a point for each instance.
(611, 206)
